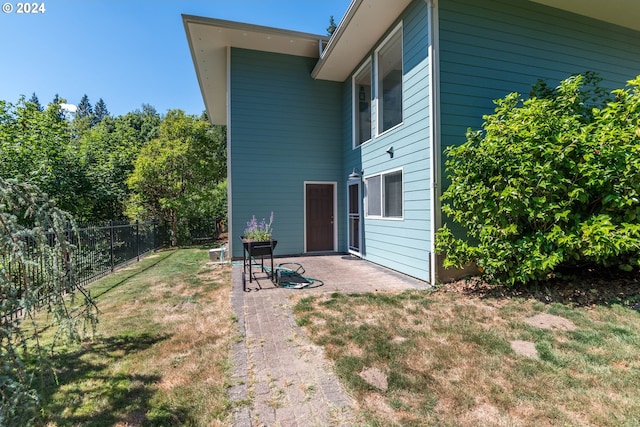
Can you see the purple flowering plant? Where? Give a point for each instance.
(259, 232)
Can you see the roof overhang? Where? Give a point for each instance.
(364, 23)
(209, 40)
(625, 13)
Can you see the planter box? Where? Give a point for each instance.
(257, 248)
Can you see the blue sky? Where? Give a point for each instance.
(128, 52)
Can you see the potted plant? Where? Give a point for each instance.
(258, 237)
(257, 241)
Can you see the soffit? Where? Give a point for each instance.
(625, 13)
(364, 23)
(209, 40)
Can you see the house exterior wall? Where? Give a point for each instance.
(284, 131)
(494, 47)
(491, 48)
(403, 245)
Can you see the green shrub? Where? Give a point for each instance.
(551, 181)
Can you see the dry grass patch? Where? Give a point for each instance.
(160, 356)
(440, 358)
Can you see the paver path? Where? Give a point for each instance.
(280, 378)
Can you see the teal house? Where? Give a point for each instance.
(342, 138)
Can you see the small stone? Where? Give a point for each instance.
(375, 377)
(525, 348)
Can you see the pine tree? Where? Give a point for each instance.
(34, 100)
(84, 108)
(332, 26)
(100, 112)
(57, 101)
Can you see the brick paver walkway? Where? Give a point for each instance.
(280, 378)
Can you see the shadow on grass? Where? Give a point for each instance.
(135, 272)
(90, 392)
(577, 287)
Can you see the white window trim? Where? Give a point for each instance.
(366, 201)
(377, 80)
(354, 110)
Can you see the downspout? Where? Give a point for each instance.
(230, 239)
(434, 126)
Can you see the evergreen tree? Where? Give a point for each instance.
(84, 117)
(34, 100)
(84, 108)
(57, 101)
(100, 112)
(332, 26)
(33, 239)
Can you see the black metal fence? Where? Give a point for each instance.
(98, 251)
(101, 249)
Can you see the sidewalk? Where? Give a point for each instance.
(284, 379)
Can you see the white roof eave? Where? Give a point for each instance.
(364, 23)
(624, 13)
(209, 39)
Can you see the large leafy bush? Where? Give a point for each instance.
(552, 181)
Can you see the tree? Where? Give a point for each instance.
(37, 147)
(332, 26)
(175, 175)
(84, 108)
(34, 100)
(550, 182)
(100, 112)
(84, 117)
(107, 154)
(36, 273)
(57, 100)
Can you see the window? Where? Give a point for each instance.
(362, 104)
(389, 89)
(374, 196)
(384, 195)
(392, 194)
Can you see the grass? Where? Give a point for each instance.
(160, 354)
(448, 359)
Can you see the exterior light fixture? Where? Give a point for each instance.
(355, 174)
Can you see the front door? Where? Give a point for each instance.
(319, 217)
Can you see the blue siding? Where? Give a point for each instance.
(285, 130)
(402, 245)
(494, 47)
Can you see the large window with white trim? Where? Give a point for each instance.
(384, 195)
(389, 81)
(362, 104)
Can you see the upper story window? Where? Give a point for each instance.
(389, 81)
(362, 104)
